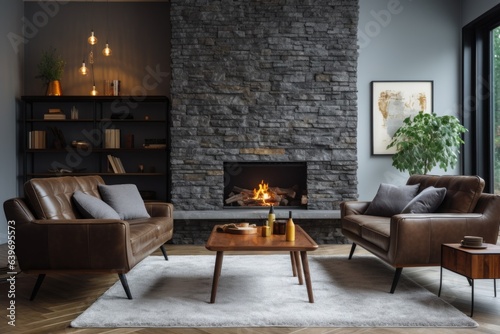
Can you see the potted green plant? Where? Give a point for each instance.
(426, 141)
(50, 70)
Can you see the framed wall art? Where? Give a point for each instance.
(392, 102)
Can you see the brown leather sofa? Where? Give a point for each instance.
(52, 236)
(414, 239)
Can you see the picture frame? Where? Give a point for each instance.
(391, 103)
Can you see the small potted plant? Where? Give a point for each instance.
(427, 141)
(50, 70)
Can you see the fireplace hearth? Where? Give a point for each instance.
(262, 184)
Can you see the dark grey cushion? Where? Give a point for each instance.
(428, 200)
(391, 200)
(125, 199)
(92, 207)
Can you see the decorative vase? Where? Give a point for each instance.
(54, 88)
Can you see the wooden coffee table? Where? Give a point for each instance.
(471, 263)
(221, 242)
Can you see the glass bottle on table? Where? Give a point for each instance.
(271, 218)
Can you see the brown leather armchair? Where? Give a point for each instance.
(414, 239)
(52, 236)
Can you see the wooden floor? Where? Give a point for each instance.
(63, 297)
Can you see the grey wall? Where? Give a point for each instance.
(407, 40)
(10, 88)
(138, 34)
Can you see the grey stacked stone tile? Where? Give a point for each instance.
(277, 74)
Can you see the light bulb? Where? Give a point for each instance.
(107, 51)
(83, 70)
(92, 39)
(93, 92)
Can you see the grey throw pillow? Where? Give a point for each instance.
(92, 207)
(391, 200)
(125, 199)
(428, 200)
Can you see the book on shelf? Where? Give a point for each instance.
(159, 143)
(116, 164)
(112, 138)
(37, 139)
(119, 165)
(54, 116)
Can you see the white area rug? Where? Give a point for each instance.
(260, 291)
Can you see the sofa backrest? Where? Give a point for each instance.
(462, 192)
(50, 198)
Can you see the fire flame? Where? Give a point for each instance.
(262, 193)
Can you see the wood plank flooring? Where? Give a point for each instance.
(63, 297)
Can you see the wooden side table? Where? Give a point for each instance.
(472, 263)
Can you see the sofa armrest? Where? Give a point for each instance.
(353, 207)
(77, 244)
(417, 238)
(160, 209)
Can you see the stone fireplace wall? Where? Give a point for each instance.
(268, 80)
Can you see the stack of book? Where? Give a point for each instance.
(112, 138)
(36, 139)
(54, 114)
(116, 164)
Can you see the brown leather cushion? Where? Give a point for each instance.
(462, 192)
(145, 232)
(50, 198)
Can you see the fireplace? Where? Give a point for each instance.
(261, 184)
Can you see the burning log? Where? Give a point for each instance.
(264, 196)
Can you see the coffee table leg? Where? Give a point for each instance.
(299, 267)
(307, 274)
(217, 271)
(472, 299)
(294, 265)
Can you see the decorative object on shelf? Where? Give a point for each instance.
(50, 70)
(66, 170)
(80, 144)
(59, 140)
(427, 141)
(129, 141)
(74, 113)
(392, 102)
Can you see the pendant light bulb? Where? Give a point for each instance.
(83, 70)
(107, 51)
(93, 92)
(92, 39)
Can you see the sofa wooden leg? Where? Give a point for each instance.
(353, 247)
(123, 279)
(37, 286)
(164, 252)
(395, 280)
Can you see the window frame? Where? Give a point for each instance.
(477, 107)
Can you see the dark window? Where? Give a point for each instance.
(478, 98)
